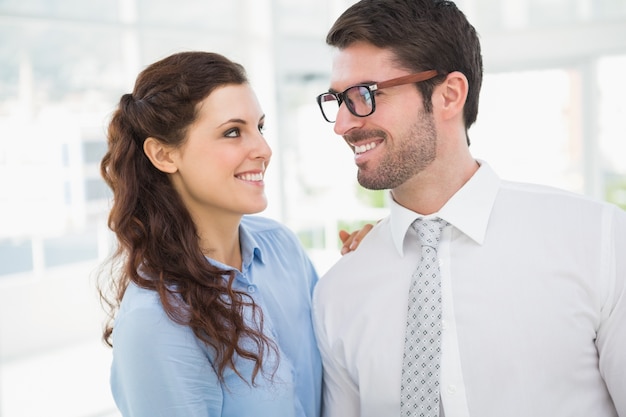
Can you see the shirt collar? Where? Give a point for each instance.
(468, 209)
(250, 248)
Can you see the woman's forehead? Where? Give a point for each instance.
(231, 101)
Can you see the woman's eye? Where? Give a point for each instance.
(261, 129)
(232, 133)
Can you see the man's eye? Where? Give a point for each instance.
(232, 133)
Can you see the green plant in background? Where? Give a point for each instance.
(615, 190)
(313, 238)
(372, 198)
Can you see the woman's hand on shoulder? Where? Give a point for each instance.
(352, 240)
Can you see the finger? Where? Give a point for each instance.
(357, 236)
(347, 239)
(360, 234)
(344, 235)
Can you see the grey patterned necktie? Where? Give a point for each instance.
(419, 394)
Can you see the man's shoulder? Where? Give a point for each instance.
(353, 266)
(547, 196)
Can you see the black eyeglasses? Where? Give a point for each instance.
(359, 98)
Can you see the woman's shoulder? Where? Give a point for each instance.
(142, 316)
(268, 232)
(262, 224)
(138, 298)
(259, 226)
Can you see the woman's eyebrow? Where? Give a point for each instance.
(235, 120)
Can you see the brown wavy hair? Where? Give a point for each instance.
(158, 245)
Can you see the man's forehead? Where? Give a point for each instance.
(361, 63)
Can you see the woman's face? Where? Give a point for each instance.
(221, 165)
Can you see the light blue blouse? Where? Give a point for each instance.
(161, 369)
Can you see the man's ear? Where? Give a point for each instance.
(160, 155)
(454, 94)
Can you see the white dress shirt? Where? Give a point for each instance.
(534, 307)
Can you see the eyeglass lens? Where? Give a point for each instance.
(358, 99)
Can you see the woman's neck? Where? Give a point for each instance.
(219, 240)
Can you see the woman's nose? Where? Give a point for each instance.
(262, 148)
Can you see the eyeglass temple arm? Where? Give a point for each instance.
(411, 78)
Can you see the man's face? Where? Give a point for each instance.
(398, 140)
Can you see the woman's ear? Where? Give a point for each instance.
(160, 155)
(454, 94)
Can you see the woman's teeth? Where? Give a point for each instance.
(251, 177)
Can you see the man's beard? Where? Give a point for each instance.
(412, 152)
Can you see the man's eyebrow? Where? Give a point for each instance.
(332, 90)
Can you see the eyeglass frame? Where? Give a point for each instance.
(372, 88)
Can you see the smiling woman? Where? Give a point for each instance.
(218, 170)
(210, 314)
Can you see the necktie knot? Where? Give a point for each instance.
(429, 231)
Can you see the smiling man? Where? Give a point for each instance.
(476, 296)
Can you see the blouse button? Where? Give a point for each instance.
(251, 288)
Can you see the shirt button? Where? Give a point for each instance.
(251, 288)
(444, 325)
(451, 389)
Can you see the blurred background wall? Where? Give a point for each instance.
(552, 111)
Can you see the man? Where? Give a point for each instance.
(525, 309)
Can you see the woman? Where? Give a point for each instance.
(210, 308)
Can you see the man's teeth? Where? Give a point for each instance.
(364, 148)
(251, 177)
